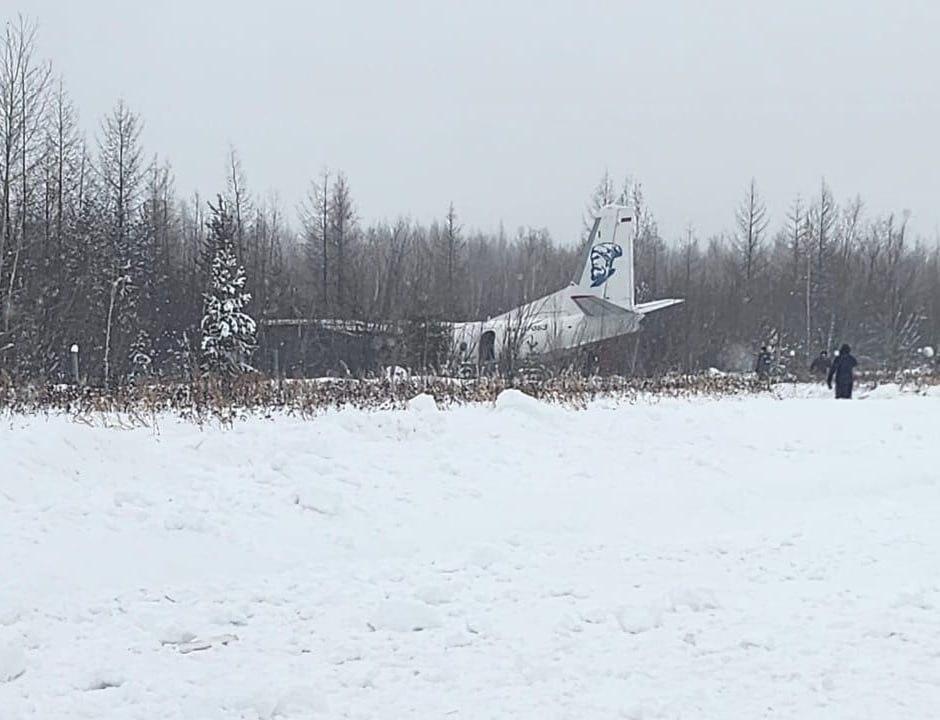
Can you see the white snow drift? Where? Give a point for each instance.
(742, 558)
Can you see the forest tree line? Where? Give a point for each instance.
(99, 250)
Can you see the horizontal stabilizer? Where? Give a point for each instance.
(594, 306)
(646, 308)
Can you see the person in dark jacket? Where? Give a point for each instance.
(842, 369)
(820, 365)
(762, 366)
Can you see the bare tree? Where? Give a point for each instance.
(800, 269)
(120, 165)
(454, 245)
(237, 197)
(517, 336)
(315, 219)
(752, 221)
(342, 216)
(604, 194)
(64, 156)
(24, 84)
(120, 172)
(822, 218)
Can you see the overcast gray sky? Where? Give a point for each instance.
(514, 109)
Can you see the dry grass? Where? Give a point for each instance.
(224, 401)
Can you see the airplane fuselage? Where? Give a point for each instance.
(546, 326)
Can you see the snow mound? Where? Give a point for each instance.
(405, 616)
(104, 680)
(512, 400)
(887, 391)
(636, 620)
(423, 403)
(174, 635)
(12, 662)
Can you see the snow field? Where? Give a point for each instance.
(675, 559)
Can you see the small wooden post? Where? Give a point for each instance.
(74, 353)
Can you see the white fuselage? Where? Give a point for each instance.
(546, 326)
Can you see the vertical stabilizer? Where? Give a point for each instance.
(608, 262)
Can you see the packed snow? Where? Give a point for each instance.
(749, 557)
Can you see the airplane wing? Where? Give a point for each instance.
(646, 308)
(594, 306)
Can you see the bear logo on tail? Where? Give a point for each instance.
(602, 262)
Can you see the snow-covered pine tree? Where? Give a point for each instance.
(141, 357)
(228, 333)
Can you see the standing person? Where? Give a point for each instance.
(820, 365)
(842, 370)
(762, 367)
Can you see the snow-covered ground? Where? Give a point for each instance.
(742, 558)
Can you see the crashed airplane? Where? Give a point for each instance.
(598, 305)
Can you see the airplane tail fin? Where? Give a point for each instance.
(607, 271)
(606, 283)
